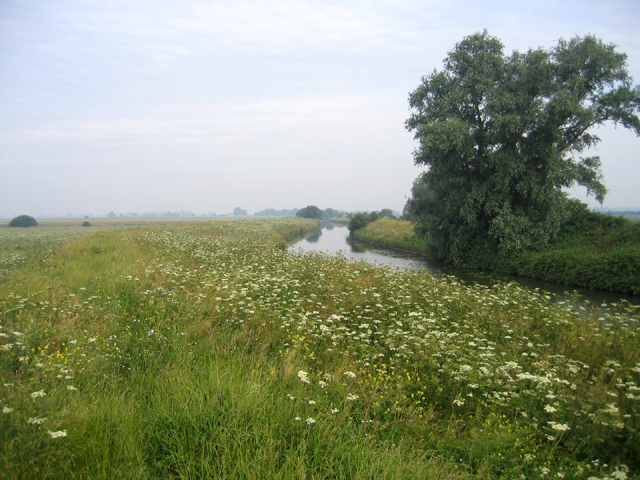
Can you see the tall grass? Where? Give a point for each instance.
(391, 233)
(206, 351)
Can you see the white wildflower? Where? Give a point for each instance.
(352, 398)
(549, 409)
(6, 410)
(303, 376)
(71, 387)
(310, 421)
(58, 434)
(561, 427)
(36, 421)
(40, 393)
(620, 473)
(350, 374)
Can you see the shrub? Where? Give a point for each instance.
(86, 224)
(310, 211)
(361, 220)
(23, 221)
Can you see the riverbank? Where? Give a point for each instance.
(393, 234)
(593, 251)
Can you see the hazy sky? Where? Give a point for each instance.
(133, 106)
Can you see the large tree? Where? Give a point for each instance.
(503, 137)
(310, 211)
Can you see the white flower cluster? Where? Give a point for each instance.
(303, 376)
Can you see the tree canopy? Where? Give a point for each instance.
(23, 221)
(310, 211)
(503, 137)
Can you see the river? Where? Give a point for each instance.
(333, 239)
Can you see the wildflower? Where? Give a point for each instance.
(37, 394)
(334, 410)
(71, 387)
(6, 410)
(561, 427)
(350, 374)
(620, 473)
(36, 420)
(322, 384)
(549, 409)
(58, 434)
(312, 402)
(310, 421)
(303, 376)
(458, 402)
(352, 398)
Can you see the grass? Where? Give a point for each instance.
(204, 350)
(391, 233)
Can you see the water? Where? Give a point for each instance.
(334, 239)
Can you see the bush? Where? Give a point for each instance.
(310, 211)
(361, 220)
(23, 221)
(86, 224)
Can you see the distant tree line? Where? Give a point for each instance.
(272, 212)
(312, 211)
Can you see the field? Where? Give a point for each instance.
(205, 350)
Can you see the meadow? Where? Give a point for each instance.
(205, 350)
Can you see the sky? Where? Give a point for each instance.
(145, 106)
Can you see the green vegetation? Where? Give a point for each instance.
(503, 137)
(203, 350)
(310, 211)
(593, 250)
(361, 220)
(391, 233)
(23, 221)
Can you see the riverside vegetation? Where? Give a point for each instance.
(592, 250)
(205, 350)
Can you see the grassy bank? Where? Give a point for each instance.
(206, 351)
(391, 233)
(592, 251)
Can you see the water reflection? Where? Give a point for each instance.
(334, 239)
